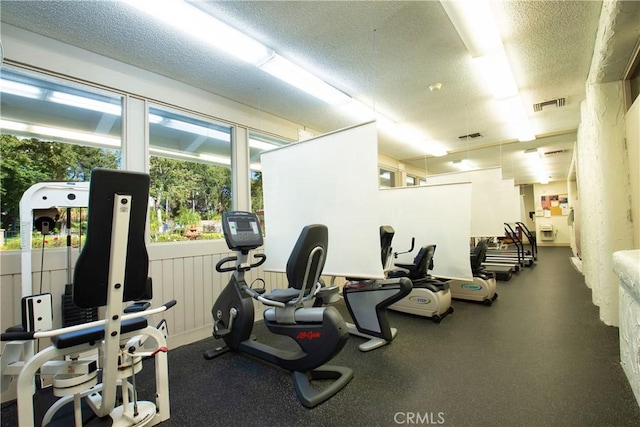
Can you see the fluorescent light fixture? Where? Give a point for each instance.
(155, 119)
(474, 22)
(536, 166)
(221, 160)
(436, 149)
(462, 164)
(525, 133)
(28, 91)
(19, 89)
(202, 26)
(210, 158)
(60, 133)
(289, 72)
(513, 110)
(262, 145)
(197, 129)
(171, 153)
(14, 126)
(196, 23)
(410, 134)
(497, 74)
(362, 112)
(85, 103)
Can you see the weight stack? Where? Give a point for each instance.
(73, 315)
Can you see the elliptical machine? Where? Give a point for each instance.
(430, 296)
(367, 300)
(320, 332)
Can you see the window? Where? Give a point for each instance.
(190, 168)
(52, 130)
(633, 80)
(412, 180)
(387, 178)
(259, 143)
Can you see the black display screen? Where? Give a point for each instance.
(243, 224)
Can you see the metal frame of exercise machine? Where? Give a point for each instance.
(111, 269)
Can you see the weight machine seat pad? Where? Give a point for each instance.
(91, 274)
(95, 333)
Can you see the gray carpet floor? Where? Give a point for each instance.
(538, 357)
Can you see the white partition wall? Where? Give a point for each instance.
(439, 215)
(331, 180)
(487, 212)
(511, 201)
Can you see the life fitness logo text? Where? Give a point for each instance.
(308, 335)
(424, 418)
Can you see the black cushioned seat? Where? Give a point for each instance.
(283, 295)
(96, 333)
(431, 283)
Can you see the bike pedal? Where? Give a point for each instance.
(220, 333)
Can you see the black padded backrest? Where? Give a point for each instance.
(424, 260)
(91, 273)
(311, 237)
(479, 254)
(386, 237)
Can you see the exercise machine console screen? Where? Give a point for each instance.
(242, 230)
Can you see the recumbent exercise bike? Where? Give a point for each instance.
(319, 332)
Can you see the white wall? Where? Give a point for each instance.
(633, 152)
(562, 231)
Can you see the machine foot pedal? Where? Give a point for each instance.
(218, 351)
(220, 333)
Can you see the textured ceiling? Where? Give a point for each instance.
(384, 53)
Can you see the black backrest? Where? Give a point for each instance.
(91, 275)
(424, 260)
(386, 237)
(308, 257)
(479, 254)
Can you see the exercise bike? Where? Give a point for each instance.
(320, 332)
(483, 286)
(367, 300)
(430, 296)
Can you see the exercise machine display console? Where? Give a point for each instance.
(242, 230)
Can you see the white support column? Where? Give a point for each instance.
(603, 172)
(241, 181)
(135, 137)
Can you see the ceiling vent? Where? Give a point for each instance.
(555, 102)
(471, 136)
(552, 153)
